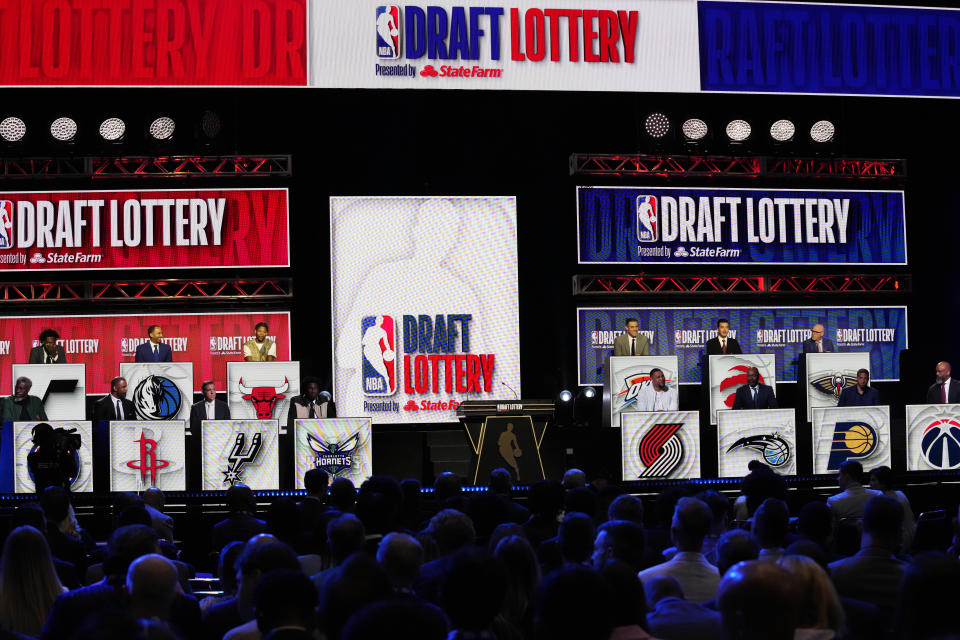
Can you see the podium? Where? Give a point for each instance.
(508, 434)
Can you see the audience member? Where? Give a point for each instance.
(152, 586)
(226, 573)
(155, 501)
(472, 594)
(404, 619)
(757, 601)
(734, 546)
(720, 508)
(847, 506)
(357, 582)
(819, 613)
(574, 603)
(401, 556)
(31, 514)
(758, 485)
(448, 492)
(241, 524)
(581, 500)
(882, 480)
(671, 616)
(451, 530)
(629, 602)
(315, 481)
(345, 536)
(574, 478)
(283, 521)
(771, 523)
(815, 523)
(545, 500)
(28, 582)
(62, 531)
(929, 591)
(523, 577)
(501, 484)
(284, 602)
(626, 507)
(619, 540)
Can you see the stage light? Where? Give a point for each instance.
(738, 130)
(12, 129)
(162, 128)
(589, 392)
(657, 125)
(822, 131)
(63, 129)
(210, 124)
(782, 130)
(565, 396)
(112, 129)
(695, 129)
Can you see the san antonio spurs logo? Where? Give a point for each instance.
(157, 398)
(660, 450)
(774, 449)
(240, 456)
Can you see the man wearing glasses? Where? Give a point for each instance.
(817, 343)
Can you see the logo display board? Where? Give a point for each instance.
(728, 373)
(262, 390)
(62, 387)
(109, 230)
(659, 445)
(661, 225)
(240, 451)
(933, 437)
(630, 374)
(159, 390)
(340, 446)
(828, 374)
(82, 456)
(146, 454)
(766, 435)
(850, 433)
(411, 349)
(683, 332)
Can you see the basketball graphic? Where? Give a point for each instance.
(852, 440)
(860, 439)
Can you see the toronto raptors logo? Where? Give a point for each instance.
(736, 377)
(240, 456)
(264, 398)
(148, 464)
(660, 450)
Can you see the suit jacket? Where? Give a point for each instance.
(872, 575)
(676, 618)
(953, 392)
(239, 526)
(145, 353)
(850, 397)
(39, 356)
(621, 346)
(11, 410)
(105, 409)
(198, 413)
(809, 346)
(765, 398)
(713, 346)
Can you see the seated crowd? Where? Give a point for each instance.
(578, 561)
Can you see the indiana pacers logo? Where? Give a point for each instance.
(941, 443)
(774, 449)
(660, 450)
(833, 385)
(852, 440)
(157, 398)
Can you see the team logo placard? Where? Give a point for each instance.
(766, 435)
(664, 444)
(629, 375)
(379, 352)
(62, 388)
(147, 453)
(729, 372)
(828, 374)
(647, 219)
(159, 390)
(850, 433)
(388, 32)
(262, 390)
(240, 451)
(933, 437)
(67, 436)
(340, 446)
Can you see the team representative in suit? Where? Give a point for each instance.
(153, 350)
(115, 406)
(631, 342)
(723, 343)
(313, 403)
(48, 351)
(945, 390)
(861, 394)
(817, 343)
(754, 395)
(209, 408)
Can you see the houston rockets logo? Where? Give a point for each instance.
(736, 377)
(379, 346)
(941, 443)
(6, 224)
(647, 219)
(774, 449)
(148, 464)
(264, 398)
(852, 440)
(660, 450)
(240, 456)
(336, 458)
(833, 385)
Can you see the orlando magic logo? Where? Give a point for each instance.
(157, 398)
(336, 458)
(833, 385)
(240, 456)
(941, 443)
(773, 448)
(660, 450)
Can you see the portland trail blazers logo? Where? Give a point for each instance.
(774, 449)
(941, 443)
(833, 385)
(157, 398)
(660, 450)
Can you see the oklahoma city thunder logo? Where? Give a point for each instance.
(157, 398)
(647, 219)
(660, 450)
(379, 344)
(941, 443)
(854, 440)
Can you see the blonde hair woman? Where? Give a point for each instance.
(28, 582)
(819, 612)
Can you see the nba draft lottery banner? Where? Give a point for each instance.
(146, 454)
(659, 225)
(340, 446)
(850, 433)
(630, 376)
(933, 437)
(240, 452)
(661, 445)
(780, 331)
(68, 435)
(429, 318)
(828, 374)
(729, 372)
(105, 230)
(100, 342)
(262, 390)
(159, 390)
(766, 435)
(63, 388)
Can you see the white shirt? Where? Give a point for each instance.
(211, 408)
(651, 400)
(698, 578)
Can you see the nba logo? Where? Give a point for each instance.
(388, 31)
(647, 219)
(379, 345)
(6, 224)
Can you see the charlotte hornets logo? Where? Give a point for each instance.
(157, 398)
(774, 449)
(941, 443)
(336, 458)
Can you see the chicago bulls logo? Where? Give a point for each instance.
(264, 398)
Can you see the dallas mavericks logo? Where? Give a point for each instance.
(157, 398)
(660, 450)
(388, 31)
(833, 385)
(852, 440)
(6, 224)
(336, 458)
(774, 449)
(379, 346)
(647, 219)
(941, 443)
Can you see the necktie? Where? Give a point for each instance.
(119, 413)
(943, 393)
(723, 346)
(48, 359)
(313, 413)
(754, 396)
(820, 346)
(633, 346)
(156, 353)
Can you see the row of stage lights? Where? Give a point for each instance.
(738, 131)
(114, 130)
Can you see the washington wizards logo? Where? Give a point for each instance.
(833, 385)
(660, 450)
(157, 398)
(941, 443)
(240, 456)
(854, 440)
(774, 449)
(336, 458)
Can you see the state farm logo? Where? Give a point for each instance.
(429, 405)
(448, 71)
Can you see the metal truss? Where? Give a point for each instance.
(654, 284)
(135, 167)
(131, 290)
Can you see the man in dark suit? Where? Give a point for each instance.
(241, 524)
(48, 351)
(817, 343)
(115, 406)
(154, 350)
(945, 390)
(723, 343)
(209, 408)
(754, 395)
(631, 342)
(861, 394)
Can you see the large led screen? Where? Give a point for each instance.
(424, 305)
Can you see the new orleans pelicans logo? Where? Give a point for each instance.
(336, 458)
(660, 450)
(833, 385)
(157, 398)
(774, 449)
(941, 443)
(852, 440)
